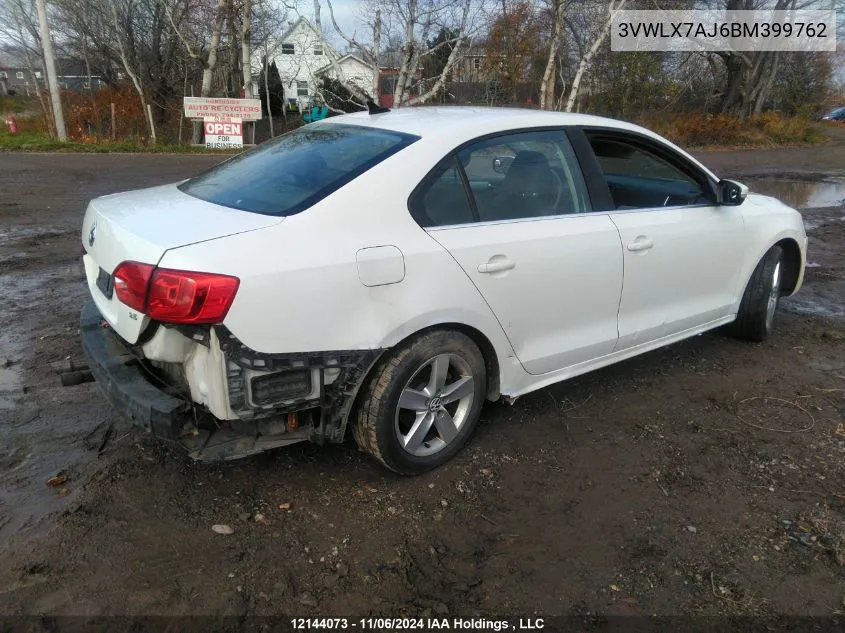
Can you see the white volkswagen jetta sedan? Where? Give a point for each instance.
(391, 271)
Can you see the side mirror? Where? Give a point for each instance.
(501, 164)
(732, 193)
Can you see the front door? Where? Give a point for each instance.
(680, 248)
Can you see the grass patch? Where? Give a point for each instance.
(770, 129)
(35, 142)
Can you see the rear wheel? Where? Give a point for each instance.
(756, 316)
(422, 402)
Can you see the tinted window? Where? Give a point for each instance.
(525, 175)
(443, 200)
(639, 177)
(294, 171)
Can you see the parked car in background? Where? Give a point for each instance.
(837, 114)
(392, 271)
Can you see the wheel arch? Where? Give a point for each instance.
(488, 352)
(792, 264)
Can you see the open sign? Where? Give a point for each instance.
(217, 128)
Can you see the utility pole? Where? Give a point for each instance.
(50, 63)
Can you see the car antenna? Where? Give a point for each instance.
(372, 108)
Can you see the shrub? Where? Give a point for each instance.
(767, 129)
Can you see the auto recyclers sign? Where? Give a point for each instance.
(203, 107)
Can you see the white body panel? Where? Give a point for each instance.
(557, 294)
(355, 271)
(680, 269)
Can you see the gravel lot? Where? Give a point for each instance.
(704, 478)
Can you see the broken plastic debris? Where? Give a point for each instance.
(222, 529)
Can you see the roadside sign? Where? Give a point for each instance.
(223, 132)
(201, 107)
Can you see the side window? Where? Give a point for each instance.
(641, 178)
(443, 201)
(524, 175)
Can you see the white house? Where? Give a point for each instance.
(302, 56)
(350, 69)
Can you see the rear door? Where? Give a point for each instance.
(682, 251)
(550, 269)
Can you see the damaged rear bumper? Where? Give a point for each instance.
(123, 383)
(128, 384)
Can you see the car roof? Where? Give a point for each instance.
(471, 121)
(454, 125)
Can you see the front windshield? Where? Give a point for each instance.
(291, 173)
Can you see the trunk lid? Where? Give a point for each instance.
(141, 226)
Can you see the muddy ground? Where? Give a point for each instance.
(704, 478)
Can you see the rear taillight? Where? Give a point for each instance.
(175, 296)
(131, 280)
(178, 296)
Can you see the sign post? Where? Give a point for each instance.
(222, 118)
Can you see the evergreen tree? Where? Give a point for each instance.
(275, 87)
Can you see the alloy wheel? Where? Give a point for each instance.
(434, 405)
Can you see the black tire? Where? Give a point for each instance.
(755, 319)
(378, 424)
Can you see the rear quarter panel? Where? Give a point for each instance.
(300, 290)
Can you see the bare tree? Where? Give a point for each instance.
(246, 63)
(19, 27)
(369, 53)
(131, 71)
(587, 58)
(409, 24)
(547, 85)
(750, 75)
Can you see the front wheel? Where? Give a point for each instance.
(756, 316)
(422, 402)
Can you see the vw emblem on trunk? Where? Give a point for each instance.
(92, 234)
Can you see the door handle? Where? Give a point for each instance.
(496, 265)
(640, 244)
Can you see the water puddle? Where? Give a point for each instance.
(25, 233)
(801, 194)
(816, 300)
(41, 427)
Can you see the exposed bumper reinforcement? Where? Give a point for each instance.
(124, 384)
(127, 389)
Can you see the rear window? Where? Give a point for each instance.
(293, 172)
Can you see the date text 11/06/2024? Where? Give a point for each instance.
(416, 624)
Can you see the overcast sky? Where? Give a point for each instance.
(346, 12)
